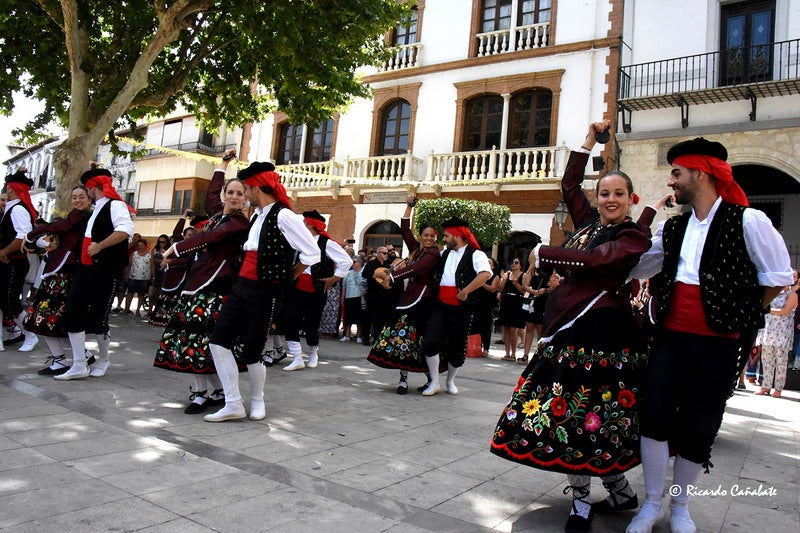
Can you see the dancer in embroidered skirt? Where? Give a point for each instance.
(397, 345)
(574, 409)
(184, 343)
(45, 314)
(175, 270)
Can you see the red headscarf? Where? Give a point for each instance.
(319, 226)
(464, 233)
(723, 176)
(105, 183)
(270, 179)
(23, 192)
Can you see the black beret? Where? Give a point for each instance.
(93, 172)
(20, 177)
(454, 222)
(313, 215)
(697, 146)
(256, 167)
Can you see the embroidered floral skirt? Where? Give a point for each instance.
(398, 344)
(47, 310)
(163, 308)
(575, 407)
(184, 343)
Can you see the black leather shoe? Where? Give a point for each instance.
(402, 387)
(420, 389)
(196, 408)
(281, 356)
(604, 507)
(215, 402)
(578, 524)
(60, 361)
(15, 340)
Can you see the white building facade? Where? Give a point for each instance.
(728, 71)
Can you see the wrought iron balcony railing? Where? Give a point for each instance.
(740, 73)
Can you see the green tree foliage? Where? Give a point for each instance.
(490, 223)
(100, 65)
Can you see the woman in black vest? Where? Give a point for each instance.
(511, 317)
(574, 409)
(184, 343)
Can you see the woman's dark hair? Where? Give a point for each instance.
(163, 237)
(619, 173)
(142, 240)
(426, 226)
(84, 189)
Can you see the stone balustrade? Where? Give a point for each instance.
(403, 56)
(513, 39)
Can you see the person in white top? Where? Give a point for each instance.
(15, 223)
(276, 235)
(719, 265)
(307, 296)
(464, 268)
(104, 254)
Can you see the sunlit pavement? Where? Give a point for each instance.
(338, 451)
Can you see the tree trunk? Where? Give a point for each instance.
(70, 161)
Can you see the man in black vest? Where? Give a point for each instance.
(720, 264)
(276, 235)
(104, 254)
(464, 268)
(16, 222)
(307, 296)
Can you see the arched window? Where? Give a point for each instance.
(383, 233)
(484, 123)
(530, 119)
(395, 128)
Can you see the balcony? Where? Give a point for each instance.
(522, 165)
(403, 57)
(513, 39)
(198, 147)
(743, 73)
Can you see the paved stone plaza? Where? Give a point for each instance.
(338, 451)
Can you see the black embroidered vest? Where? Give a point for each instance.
(465, 273)
(729, 286)
(325, 268)
(7, 231)
(275, 254)
(103, 226)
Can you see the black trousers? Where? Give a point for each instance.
(12, 278)
(687, 383)
(247, 312)
(447, 332)
(303, 310)
(90, 298)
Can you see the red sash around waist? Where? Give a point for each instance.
(449, 295)
(249, 268)
(686, 313)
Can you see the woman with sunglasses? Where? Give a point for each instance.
(511, 317)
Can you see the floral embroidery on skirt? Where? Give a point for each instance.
(575, 408)
(47, 310)
(184, 343)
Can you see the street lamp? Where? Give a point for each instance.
(560, 214)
